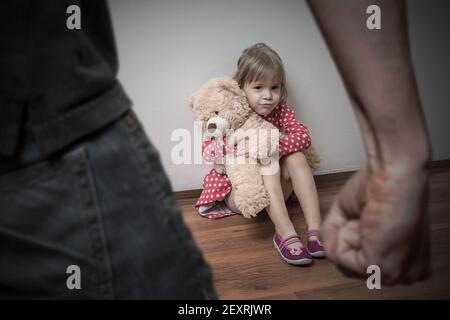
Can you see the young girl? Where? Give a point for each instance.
(261, 76)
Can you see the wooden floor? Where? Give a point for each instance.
(246, 265)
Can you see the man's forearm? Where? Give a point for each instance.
(377, 71)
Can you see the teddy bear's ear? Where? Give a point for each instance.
(232, 86)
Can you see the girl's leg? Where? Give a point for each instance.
(305, 188)
(285, 182)
(277, 208)
(279, 188)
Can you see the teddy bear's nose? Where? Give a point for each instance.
(212, 126)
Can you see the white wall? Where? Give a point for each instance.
(429, 27)
(168, 48)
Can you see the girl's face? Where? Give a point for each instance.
(263, 95)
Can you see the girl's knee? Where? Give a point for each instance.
(296, 159)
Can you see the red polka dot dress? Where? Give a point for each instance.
(294, 137)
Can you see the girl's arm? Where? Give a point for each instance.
(295, 136)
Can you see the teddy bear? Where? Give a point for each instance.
(222, 108)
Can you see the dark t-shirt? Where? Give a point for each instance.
(58, 83)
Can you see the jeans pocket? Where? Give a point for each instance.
(51, 235)
(92, 218)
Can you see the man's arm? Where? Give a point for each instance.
(380, 215)
(377, 71)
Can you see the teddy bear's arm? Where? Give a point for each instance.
(257, 138)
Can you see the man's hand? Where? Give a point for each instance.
(381, 219)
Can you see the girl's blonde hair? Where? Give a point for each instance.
(260, 62)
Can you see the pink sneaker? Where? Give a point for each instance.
(315, 247)
(299, 256)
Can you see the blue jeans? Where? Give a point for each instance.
(103, 205)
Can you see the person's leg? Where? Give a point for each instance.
(285, 182)
(51, 236)
(305, 188)
(278, 213)
(279, 188)
(103, 205)
(153, 254)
